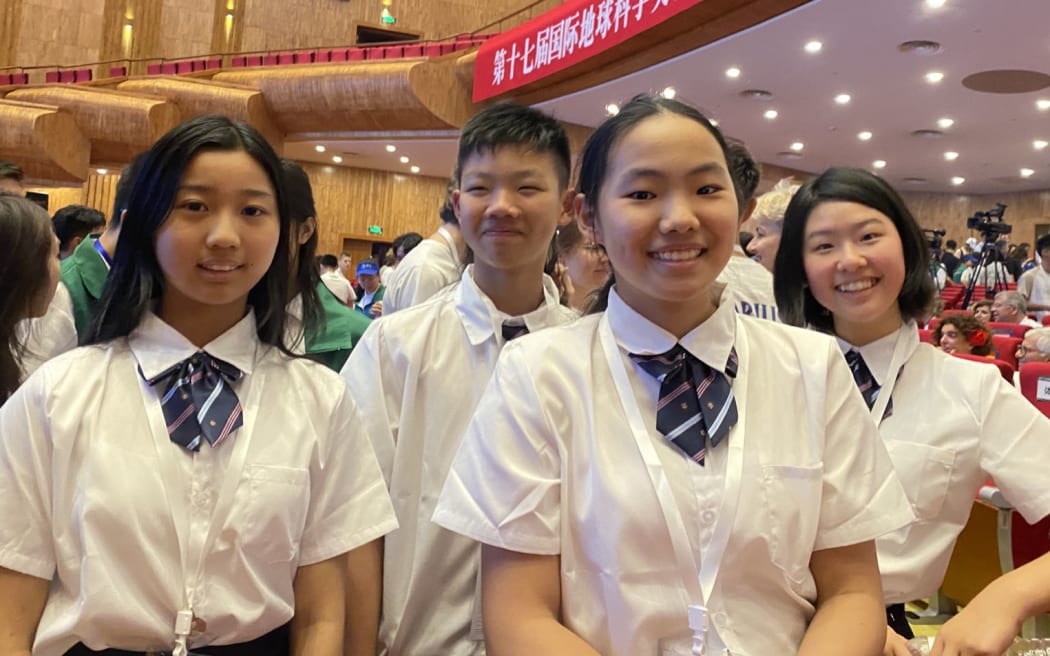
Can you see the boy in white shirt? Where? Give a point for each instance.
(1034, 284)
(421, 372)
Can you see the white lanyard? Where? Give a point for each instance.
(902, 350)
(173, 482)
(701, 585)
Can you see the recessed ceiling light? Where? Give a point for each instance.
(612, 109)
(770, 114)
(935, 4)
(879, 164)
(864, 136)
(843, 99)
(390, 148)
(814, 47)
(1039, 144)
(951, 155)
(102, 171)
(1042, 104)
(404, 160)
(415, 169)
(337, 159)
(733, 72)
(319, 148)
(933, 77)
(958, 181)
(797, 146)
(1027, 173)
(945, 123)
(668, 93)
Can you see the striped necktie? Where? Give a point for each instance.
(513, 331)
(869, 389)
(695, 400)
(198, 400)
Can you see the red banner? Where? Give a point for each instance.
(565, 35)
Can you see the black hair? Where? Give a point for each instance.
(123, 190)
(136, 279)
(447, 211)
(25, 230)
(74, 221)
(406, 242)
(11, 171)
(594, 159)
(951, 244)
(329, 261)
(511, 124)
(795, 301)
(1042, 244)
(745, 173)
(301, 207)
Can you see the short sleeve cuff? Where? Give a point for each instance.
(490, 535)
(25, 565)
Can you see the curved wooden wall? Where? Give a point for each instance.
(46, 142)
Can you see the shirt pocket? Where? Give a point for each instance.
(925, 471)
(270, 510)
(792, 499)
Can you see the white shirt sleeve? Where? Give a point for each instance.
(49, 335)
(378, 391)
(505, 484)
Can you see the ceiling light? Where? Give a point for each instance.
(933, 77)
(390, 148)
(935, 4)
(668, 93)
(958, 181)
(102, 171)
(404, 160)
(770, 114)
(733, 72)
(945, 123)
(814, 47)
(415, 169)
(1027, 173)
(713, 122)
(612, 109)
(797, 146)
(319, 148)
(843, 99)
(864, 136)
(1039, 144)
(337, 159)
(1042, 105)
(951, 155)
(879, 164)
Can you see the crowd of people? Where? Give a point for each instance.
(578, 414)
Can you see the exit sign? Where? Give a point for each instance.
(375, 230)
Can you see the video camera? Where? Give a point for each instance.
(933, 238)
(984, 222)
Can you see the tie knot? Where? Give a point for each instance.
(513, 331)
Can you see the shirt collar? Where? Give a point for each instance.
(878, 355)
(482, 320)
(710, 342)
(157, 346)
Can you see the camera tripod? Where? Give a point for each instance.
(989, 262)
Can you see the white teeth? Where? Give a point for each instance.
(217, 267)
(677, 256)
(857, 286)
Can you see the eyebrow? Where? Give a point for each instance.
(640, 172)
(255, 193)
(831, 231)
(524, 173)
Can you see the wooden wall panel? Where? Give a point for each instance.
(350, 200)
(57, 33)
(98, 192)
(949, 211)
(10, 24)
(59, 197)
(186, 28)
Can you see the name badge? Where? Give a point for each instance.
(1042, 389)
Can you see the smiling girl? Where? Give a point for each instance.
(154, 496)
(853, 262)
(610, 495)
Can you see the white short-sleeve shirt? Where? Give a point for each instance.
(954, 424)
(751, 285)
(85, 461)
(1034, 284)
(420, 373)
(50, 335)
(549, 466)
(428, 268)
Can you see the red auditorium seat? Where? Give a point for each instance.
(339, 55)
(933, 323)
(462, 45)
(20, 78)
(303, 57)
(432, 50)
(5, 79)
(169, 68)
(269, 60)
(82, 75)
(183, 67)
(1005, 370)
(1005, 347)
(1033, 376)
(925, 335)
(284, 58)
(413, 51)
(253, 60)
(51, 77)
(375, 52)
(323, 56)
(214, 63)
(153, 69)
(67, 77)
(1046, 319)
(118, 71)
(1001, 328)
(393, 52)
(355, 54)
(950, 312)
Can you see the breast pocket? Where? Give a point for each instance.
(270, 511)
(792, 499)
(925, 472)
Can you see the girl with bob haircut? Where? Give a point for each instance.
(603, 519)
(155, 496)
(853, 263)
(30, 271)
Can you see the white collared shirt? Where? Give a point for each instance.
(420, 373)
(427, 269)
(549, 466)
(751, 285)
(338, 285)
(50, 335)
(1034, 285)
(955, 423)
(83, 492)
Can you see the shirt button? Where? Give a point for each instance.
(707, 517)
(720, 619)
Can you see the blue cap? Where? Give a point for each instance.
(368, 268)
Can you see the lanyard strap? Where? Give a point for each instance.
(102, 251)
(902, 351)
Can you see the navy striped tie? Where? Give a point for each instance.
(695, 400)
(198, 400)
(513, 331)
(869, 389)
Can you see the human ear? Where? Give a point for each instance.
(568, 207)
(585, 217)
(307, 229)
(455, 203)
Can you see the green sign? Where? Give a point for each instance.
(375, 230)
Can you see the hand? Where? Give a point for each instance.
(563, 281)
(377, 309)
(980, 631)
(895, 644)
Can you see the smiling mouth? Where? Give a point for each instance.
(857, 285)
(677, 255)
(219, 268)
